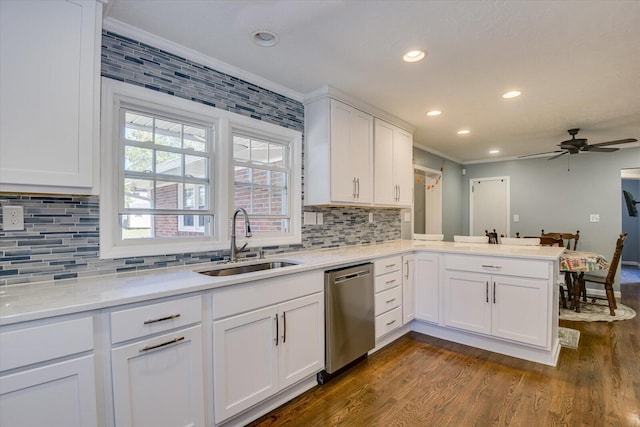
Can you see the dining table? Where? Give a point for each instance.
(576, 263)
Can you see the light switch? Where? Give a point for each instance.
(516, 218)
(370, 217)
(407, 217)
(594, 218)
(309, 218)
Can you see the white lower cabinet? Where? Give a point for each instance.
(507, 307)
(56, 393)
(258, 353)
(427, 285)
(388, 285)
(158, 380)
(408, 289)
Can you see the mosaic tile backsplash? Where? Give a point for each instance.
(61, 239)
(61, 236)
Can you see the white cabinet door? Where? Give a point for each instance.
(159, 381)
(351, 154)
(467, 299)
(393, 165)
(520, 309)
(49, 80)
(427, 283)
(403, 166)
(408, 289)
(56, 395)
(301, 344)
(385, 185)
(245, 361)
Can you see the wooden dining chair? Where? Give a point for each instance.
(568, 237)
(607, 280)
(568, 278)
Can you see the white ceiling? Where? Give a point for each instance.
(576, 62)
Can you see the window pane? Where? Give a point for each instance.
(168, 194)
(278, 203)
(276, 155)
(195, 138)
(195, 197)
(138, 193)
(168, 163)
(242, 196)
(267, 225)
(260, 176)
(138, 127)
(278, 179)
(195, 167)
(242, 174)
(136, 226)
(165, 226)
(241, 148)
(259, 151)
(261, 201)
(168, 133)
(138, 159)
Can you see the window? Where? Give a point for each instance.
(174, 171)
(262, 171)
(166, 176)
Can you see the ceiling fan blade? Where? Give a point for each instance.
(539, 154)
(619, 141)
(596, 149)
(558, 155)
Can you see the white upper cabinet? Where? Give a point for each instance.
(49, 69)
(393, 165)
(339, 154)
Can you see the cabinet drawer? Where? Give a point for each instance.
(387, 281)
(495, 265)
(153, 318)
(387, 265)
(389, 299)
(41, 343)
(388, 321)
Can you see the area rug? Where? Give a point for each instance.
(597, 313)
(568, 337)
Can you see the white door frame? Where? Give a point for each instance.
(432, 172)
(507, 213)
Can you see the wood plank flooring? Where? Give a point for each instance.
(424, 381)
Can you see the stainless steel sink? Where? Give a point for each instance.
(248, 268)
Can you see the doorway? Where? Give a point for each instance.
(427, 200)
(630, 267)
(489, 205)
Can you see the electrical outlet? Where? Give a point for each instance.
(594, 218)
(310, 218)
(370, 217)
(319, 218)
(516, 218)
(12, 218)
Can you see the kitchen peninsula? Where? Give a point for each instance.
(496, 297)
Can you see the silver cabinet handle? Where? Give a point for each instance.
(161, 319)
(398, 193)
(284, 327)
(164, 344)
(486, 290)
(388, 282)
(391, 323)
(391, 300)
(494, 292)
(277, 332)
(358, 187)
(495, 267)
(354, 188)
(389, 265)
(407, 264)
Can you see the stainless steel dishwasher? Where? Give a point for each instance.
(349, 317)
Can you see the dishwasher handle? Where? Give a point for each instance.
(351, 276)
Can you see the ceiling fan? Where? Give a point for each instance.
(575, 145)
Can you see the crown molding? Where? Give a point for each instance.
(145, 37)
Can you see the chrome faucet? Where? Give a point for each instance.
(247, 233)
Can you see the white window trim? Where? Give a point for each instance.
(113, 94)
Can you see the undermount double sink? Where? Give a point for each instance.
(247, 268)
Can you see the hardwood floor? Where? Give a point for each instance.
(424, 381)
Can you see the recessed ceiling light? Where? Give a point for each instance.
(414, 55)
(494, 151)
(265, 38)
(511, 94)
(434, 113)
(464, 131)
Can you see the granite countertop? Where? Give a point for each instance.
(19, 303)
